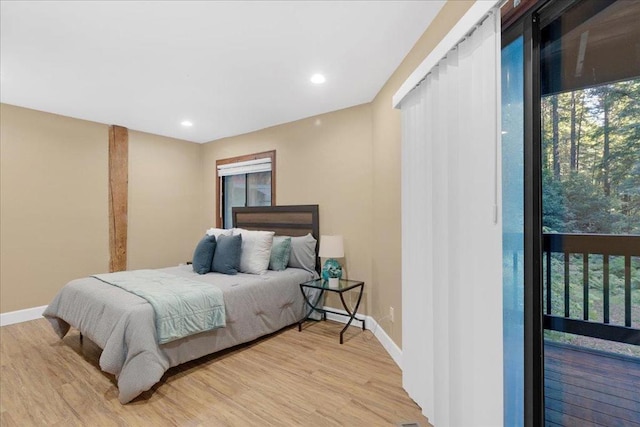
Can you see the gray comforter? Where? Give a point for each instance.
(122, 324)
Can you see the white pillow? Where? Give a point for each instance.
(218, 232)
(256, 250)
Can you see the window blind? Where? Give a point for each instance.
(451, 239)
(241, 168)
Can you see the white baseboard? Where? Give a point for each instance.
(19, 316)
(394, 351)
(371, 324)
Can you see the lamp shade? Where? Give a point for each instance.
(331, 247)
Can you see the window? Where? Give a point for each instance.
(244, 181)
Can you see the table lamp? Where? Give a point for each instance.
(331, 247)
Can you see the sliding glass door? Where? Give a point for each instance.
(573, 277)
(590, 174)
(513, 229)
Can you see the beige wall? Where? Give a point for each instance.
(165, 200)
(54, 203)
(324, 160)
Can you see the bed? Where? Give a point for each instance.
(123, 325)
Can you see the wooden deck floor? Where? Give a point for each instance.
(590, 388)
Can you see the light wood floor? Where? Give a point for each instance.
(290, 378)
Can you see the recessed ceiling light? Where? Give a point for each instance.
(186, 123)
(318, 79)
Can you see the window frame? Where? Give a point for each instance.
(525, 23)
(263, 155)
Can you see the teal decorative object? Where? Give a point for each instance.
(332, 269)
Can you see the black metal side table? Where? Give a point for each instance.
(322, 286)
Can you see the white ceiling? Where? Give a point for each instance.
(229, 67)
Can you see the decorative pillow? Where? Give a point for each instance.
(219, 232)
(303, 253)
(203, 255)
(280, 252)
(256, 250)
(226, 258)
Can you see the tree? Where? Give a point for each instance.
(591, 159)
(574, 152)
(555, 217)
(589, 211)
(606, 185)
(554, 124)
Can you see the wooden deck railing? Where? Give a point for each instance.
(626, 246)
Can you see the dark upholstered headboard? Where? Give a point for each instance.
(294, 220)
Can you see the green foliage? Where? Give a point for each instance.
(596, 288)
(591, 184)
(598, 191)
(589, 208)
(556, 216)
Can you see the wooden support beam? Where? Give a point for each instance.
(118, 196)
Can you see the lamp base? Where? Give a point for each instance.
(331, 268)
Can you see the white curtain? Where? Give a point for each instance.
(451, 236)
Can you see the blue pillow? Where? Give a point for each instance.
(280, 251)
(226, 258)
(203, 255)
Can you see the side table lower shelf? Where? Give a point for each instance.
(321, 286)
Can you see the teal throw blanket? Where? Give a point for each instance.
(182, 306)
